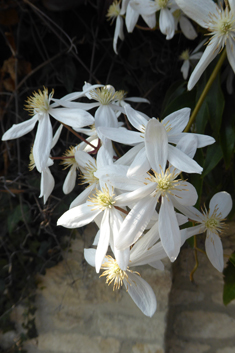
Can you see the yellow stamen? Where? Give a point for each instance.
(114, 274)
(39, 102)
(103, 199)
(70, 159)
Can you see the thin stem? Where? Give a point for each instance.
(206, 90)
(79, 136)
(121, 209)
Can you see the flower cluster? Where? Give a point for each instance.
(138, 201)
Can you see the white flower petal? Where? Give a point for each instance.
(209, 54)
(232, 5)
(47, 184)
(214, 250)
(186, 193)
(142, 294)
(135, 117)
(182, 162)
(121, 135)
(18, 130)
(56, 136)
(129, 156)
(42, 143)
(187, 28)
(176, 122)
(223, 202)
(156, 143)
(103, 240)
(73, 117)
(140, 164)
(185, 69)
(136, 222)
(198, 10)
(70, 180)
(169, 229)
(131, 18)
(82, 197)
(89, 255)
(167, 23)
(78, 216)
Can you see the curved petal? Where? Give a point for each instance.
(209, 54)
(136, 222)
(129, 156)
(141, 293)
(140, 164)
(176, 122)
(121, 135)
(186, 193)
(47, 184)
(187, 28)
(18, 130)
(83, 159)
(89, 255)
(185, 69)
(182, 162)
(169, 229)
(132, 17)
(78, 216)
(221, 201)
(232, 5)
(156, 145)
(105, 117)
(73, 117)
(103, 240)
(167, 23)
(42, 143)
(70, 180)
(150, 20)
(202, 140)
(214, 250)
(135, 117)
(199, 10)
(56, 136)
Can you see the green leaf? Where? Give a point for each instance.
(229, 281)
(213, 156)
(16, 216)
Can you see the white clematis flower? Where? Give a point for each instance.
(211, 222)
(149, 8)
(170, 129)
(115, 12)
(39, 106)
(189, 59)
(145, 251)
(220, 22)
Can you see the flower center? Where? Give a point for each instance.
(162, 3)
(165, 181)
(222, 25)
(214, 222)
(103, 199)
(114, 10)
(69, 159)
(39, 102)
(114, 274)
(106, 94)
(185, 55)
(88, 174)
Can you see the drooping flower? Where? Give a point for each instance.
(189, 58)
(220, 22)
(145, 251)
(115, 13)
(39, 106)
(211, 222)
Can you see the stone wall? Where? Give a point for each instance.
(198, 321)
(78, 313)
